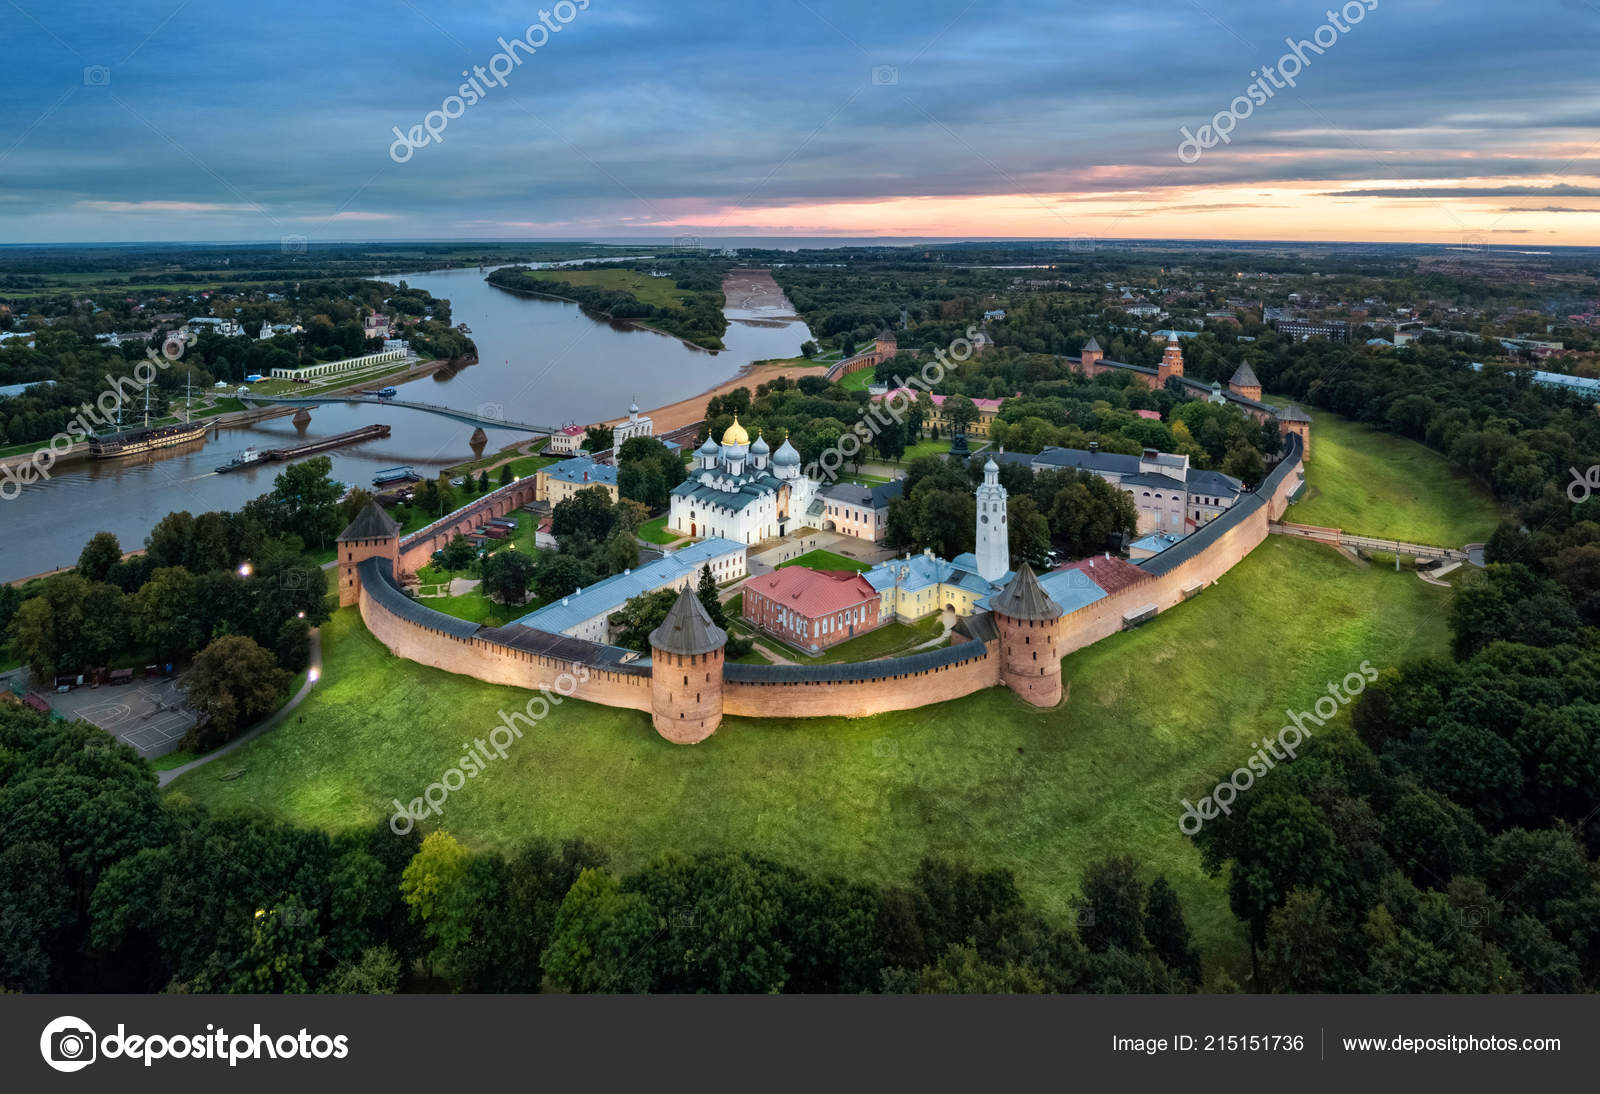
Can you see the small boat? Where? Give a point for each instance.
(244, 459)
(388, 393)
(392, 475)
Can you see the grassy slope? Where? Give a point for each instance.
(656, 531)
(1154, 715)
(1376, 484)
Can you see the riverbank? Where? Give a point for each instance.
(692, 410)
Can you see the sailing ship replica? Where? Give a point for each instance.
(134, 442)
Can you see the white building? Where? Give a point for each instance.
(566, 441)
(637, 425)
(733, 493)
(994, 534)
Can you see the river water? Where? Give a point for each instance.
(539, 361)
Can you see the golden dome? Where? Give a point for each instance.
(735, 433)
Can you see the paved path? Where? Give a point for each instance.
(166, 777)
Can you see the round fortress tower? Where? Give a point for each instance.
(1029, 623)
(686, 672)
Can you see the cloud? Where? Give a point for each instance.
(1559, 190)
(162, 207)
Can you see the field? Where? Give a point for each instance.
(1376, 484)
(1154, 715)
(659, 291)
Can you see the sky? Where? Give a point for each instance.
(1463, 122)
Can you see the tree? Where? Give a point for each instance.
(377, 972)
(707, 592)
(1028, 532)
(458, 554)
(483, 481)
(960, 412)
(1111, 906)
(559, 574)
(599, 438)
(808, 349)
(436, 887)
(232, 684)
(587, 514)
(1167, 932)
(506, 575)
(283, 952)
(599, 936)
(100, 554)
(621, 551)
(307, 501)
(506, 477)
(640, 615)
(1244, 463)
(293, 646)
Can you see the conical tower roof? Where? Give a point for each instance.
(687, 630)
(1025, 599)
(1092, 346)
(371, 523)
(1292, 413)
(1245, 376)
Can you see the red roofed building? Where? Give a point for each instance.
(811, 608)
(1111, 574)
(1149, 415)
(566, 442)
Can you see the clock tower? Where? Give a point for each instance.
(994, 534)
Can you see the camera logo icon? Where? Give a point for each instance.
(96, 76)
(68, 1044)
(292, 245)
(885, 75)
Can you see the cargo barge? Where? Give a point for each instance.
(354, 436)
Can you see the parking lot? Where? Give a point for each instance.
(149, 715)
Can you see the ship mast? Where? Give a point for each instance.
(147, 406)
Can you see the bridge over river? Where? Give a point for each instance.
(469, 417)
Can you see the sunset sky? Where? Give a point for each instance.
(1450, 121)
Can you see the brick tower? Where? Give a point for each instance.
(1244, 382)
(1291, 419)
(1171, 361)
(686, 672)
(1090, 356)
(884, 346)
(372, 534)
(1029, 623)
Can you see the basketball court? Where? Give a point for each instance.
(150, 717)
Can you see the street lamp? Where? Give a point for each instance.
(245, 570)
(314, 675)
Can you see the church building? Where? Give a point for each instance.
(741, 491)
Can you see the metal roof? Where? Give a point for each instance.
(687, 630)
(371, 523)
(1024, 599)
(377, 578)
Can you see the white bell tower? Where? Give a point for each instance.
(994, 534)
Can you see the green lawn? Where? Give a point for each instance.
(1154, 715)
(655, 531)
(826, 560)
(1373, 483)
(858, 380)
(925, 447)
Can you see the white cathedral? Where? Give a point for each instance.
(742, 491)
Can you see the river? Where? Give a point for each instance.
(540, 361)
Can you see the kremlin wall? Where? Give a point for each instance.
(687, 688)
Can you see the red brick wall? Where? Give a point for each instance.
(416, 550)
(1030, 658)
(763, 612)
(857, 699)
(500, 664)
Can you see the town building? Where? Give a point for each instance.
(1303, 329)
(812, 609)
(559, 481)
(586, 613)
(743, 491)
(566, 441)
(1170, 496)
(987, 409)
(859, 511)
